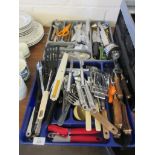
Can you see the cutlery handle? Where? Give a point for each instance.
(111, 92)
(86, 139)
(96, 52)
(125, 87)
(108, 125)
(117, 112)
(73, 131)
(97, 123)
(37, 102)
(106, 133)
(118, 87)
(58, 130)
(82, 131)
(126, 125)
(43, 104)
(88, 120)
(59, 78)
(50, 112)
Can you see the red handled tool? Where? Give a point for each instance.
(75, 131)
(75, 138)
(60, 134)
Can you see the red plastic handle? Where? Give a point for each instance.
(59, 130)
(75, 131)
(86, 139)
(82, 131)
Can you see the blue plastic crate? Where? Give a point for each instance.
(70, 121)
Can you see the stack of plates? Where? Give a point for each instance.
(30, 31)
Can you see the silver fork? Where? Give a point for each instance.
(70, 98)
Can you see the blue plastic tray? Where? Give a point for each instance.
(70, 121)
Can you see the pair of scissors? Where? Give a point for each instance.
(65, 31)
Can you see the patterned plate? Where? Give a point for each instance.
(35, 36)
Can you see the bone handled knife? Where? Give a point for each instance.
(59, 78)
(88, 121)
(106, 134)
(108, 125)
(117, 112)
(97, 123)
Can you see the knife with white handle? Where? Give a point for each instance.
(59, 78)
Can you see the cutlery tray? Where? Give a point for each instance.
(70, 121)
(69, 43)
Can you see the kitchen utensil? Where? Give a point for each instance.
(51, 61)
(117, 112)
(69, 98)
(71, 131)
(125, 87)
(29, 128)
(40, 70)
(51, 58)
(96, 42)
(60, 134)
(97, 123)
(126, 124)
(70, 77)
(59, 78)
(65, 31)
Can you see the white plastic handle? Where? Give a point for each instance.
(43, 105)
(97, 123)
(88, 121)
(59, 78)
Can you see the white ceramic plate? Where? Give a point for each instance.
(24, 20)
(37, 41)
(26, 32)
(26, 28)
(35, 36)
